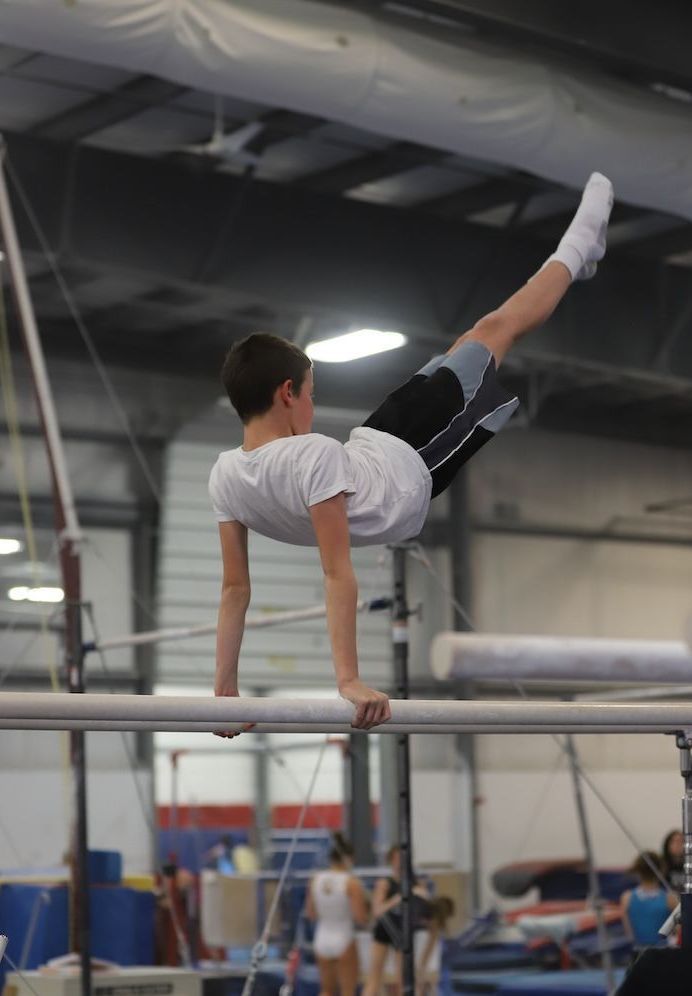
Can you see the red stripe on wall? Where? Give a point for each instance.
(327, 815)
(208, 817)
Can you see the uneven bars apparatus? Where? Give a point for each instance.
(62, 711)
(497, 657)
(492, 657)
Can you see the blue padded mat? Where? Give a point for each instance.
(480, 983)
(122, 923)
(488, 957)
(590, 983)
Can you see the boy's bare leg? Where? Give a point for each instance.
(576, 258)
(526, 310)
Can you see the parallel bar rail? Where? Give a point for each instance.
(24, 710)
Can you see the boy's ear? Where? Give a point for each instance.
(285, 393)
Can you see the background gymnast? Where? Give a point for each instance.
(646, 908)
(291, 484)
(337, 904)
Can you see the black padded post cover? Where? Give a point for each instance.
(659, 972)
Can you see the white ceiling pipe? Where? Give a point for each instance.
(482, 656)
(472, 98)
(25, 710)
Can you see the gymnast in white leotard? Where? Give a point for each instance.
(336, 903)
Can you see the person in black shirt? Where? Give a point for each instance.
(387, 932)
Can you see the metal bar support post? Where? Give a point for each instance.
(594, 887)
(684, 743)
(80, 918)
(358, 796)
(400, 645)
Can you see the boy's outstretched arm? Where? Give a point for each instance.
(235, 598)
(330, 523)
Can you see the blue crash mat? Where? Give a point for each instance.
(589, 983)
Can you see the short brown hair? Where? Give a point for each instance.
(256, 366)
(646, 864)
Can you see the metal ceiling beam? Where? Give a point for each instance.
(633, 38)
(670, 243)
(92, 512)
(134, 97)
(483, 196)
(397, 158)
(299, 252)
(280, 125)
(552, 226)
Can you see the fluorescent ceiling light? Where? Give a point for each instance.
(22, 593)
(354, 345)
(8, 545)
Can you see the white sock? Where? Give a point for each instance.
(584, 242)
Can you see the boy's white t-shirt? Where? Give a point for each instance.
(270, 489)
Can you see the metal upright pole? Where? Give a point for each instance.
(359, 804)
(262, 799)
(69, 537)
(459, 536)
(684, 742)
(594, 888)
(400, 644)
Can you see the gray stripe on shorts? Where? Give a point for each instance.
(474, 380)
(492, 422)
(468, 364)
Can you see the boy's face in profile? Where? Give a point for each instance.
(304, 409)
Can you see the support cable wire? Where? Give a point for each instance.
(259, 951)
(566, 745)
(137, 597)
(86, 336)
(252, 621)
(89, 611)
(21, 974)
(421, 555)
(180, 937)
(19, 465)
(519, 851)
(21, 653)
(281, 762)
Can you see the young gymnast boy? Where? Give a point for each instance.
(291, 484)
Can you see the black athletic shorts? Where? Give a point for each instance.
(448, 410)
(389, 928)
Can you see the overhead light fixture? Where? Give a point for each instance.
(8, 545)
(22, 593)
(354, 345)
